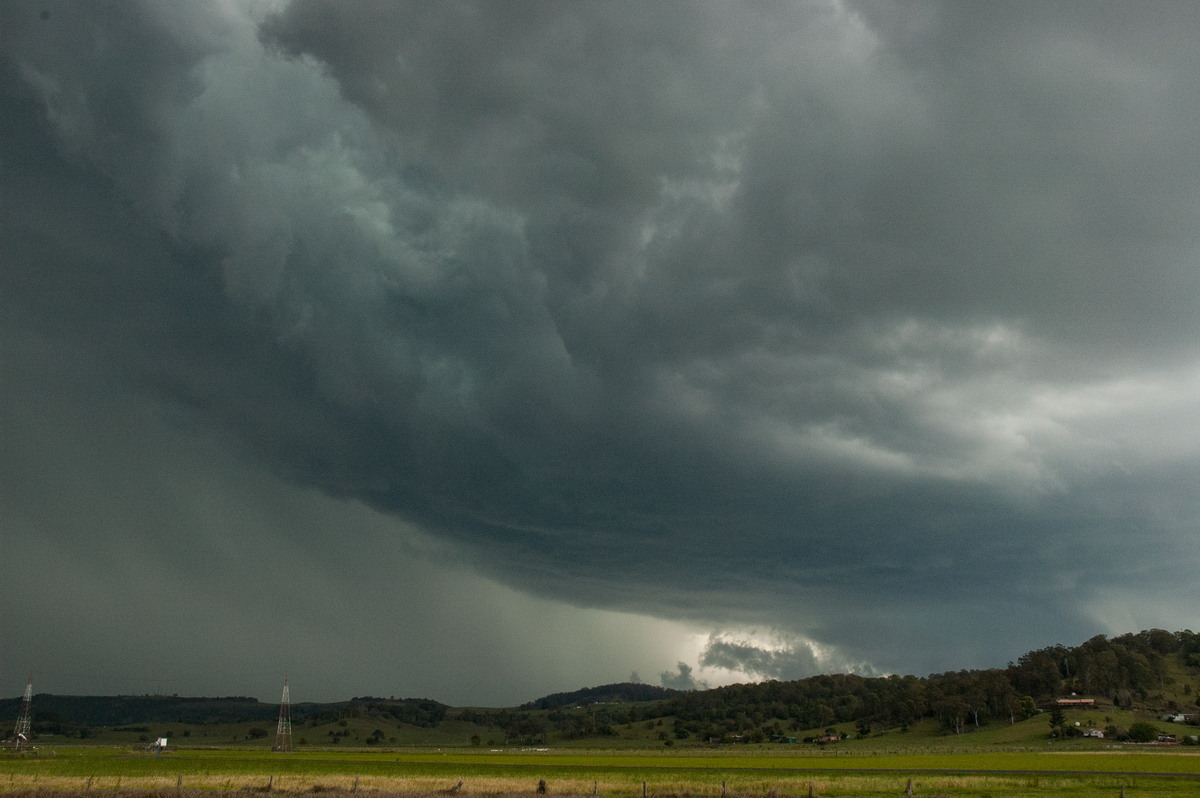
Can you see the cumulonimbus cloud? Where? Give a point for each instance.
(853, 322)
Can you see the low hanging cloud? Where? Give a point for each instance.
(682, 678)
(782, 658)
(855, 321)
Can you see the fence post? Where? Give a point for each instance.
(178, 781)
(355, 784)
(643, 789)
(88, 788)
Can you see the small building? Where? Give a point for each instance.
(1093, 732)
(1076, 702)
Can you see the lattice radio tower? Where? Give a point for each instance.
(25, 719)
(283, 732)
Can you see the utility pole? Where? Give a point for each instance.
(283, 732)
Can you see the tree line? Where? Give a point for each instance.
(1129, 669)
(1125, 670)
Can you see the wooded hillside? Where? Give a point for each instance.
(1152, 671)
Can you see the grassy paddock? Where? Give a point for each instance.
(615, 774)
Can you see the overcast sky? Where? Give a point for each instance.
(479, 351)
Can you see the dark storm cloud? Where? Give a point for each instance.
(877, 243)
(857, 321)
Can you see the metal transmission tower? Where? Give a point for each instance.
(283, 732)
(25, 719)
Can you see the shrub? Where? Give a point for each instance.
(1143, 732)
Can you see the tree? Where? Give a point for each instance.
(951, 713)
(1142, 732)
(1057, 718)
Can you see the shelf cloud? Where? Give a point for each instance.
(464, 338)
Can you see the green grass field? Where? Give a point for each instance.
(690, 772)
(998, 760)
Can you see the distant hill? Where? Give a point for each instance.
(620, 693)
(422, 712)
(1152, 672)
(124, 710)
